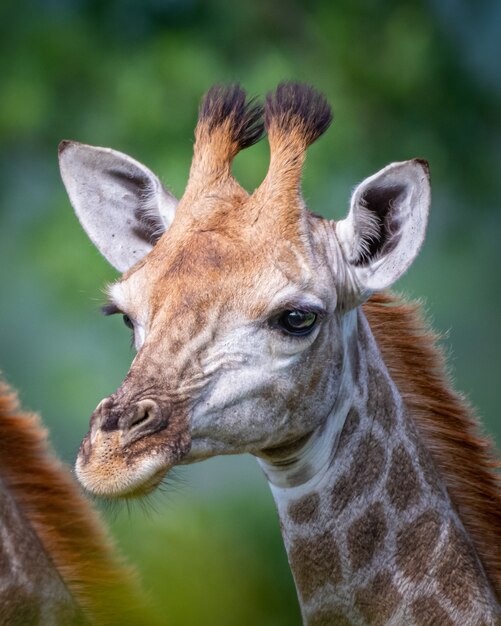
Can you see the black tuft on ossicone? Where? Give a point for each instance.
(297, 106)
(228, 103)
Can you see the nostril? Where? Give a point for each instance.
(106, 416)
(139, 418)
(144, 412)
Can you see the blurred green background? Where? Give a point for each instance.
(405, 79)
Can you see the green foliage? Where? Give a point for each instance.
(219, 558)
(405, 79)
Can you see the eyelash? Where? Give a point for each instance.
(127, 321)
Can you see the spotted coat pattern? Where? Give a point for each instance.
(376, 541)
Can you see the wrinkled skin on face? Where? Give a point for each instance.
(223, 376)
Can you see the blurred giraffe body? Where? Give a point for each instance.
(257, 331)
(56, 564)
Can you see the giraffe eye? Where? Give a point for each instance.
(297, 322)
(128, 322)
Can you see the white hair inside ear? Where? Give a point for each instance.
(121, 204)
(386, 224)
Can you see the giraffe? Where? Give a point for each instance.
(261, 327)
(57, 567)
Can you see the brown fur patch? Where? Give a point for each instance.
(328, 617)
(465, 460)
(363, 474)
(378, 600)
(368, 464)
(315, 562)
(366, 536)
(305, 510)
(18, 609)
(428, 612)
(402, 484)
(350, 427)
(459, 571)
(341, 493)
(416, 542)
(378, 406)
(63, 520)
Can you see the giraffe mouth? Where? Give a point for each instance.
(144, 488)
(106, 469)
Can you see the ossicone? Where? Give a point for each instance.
(228, 107)
(227, 122)
(298, 112)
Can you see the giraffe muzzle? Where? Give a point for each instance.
(131, 444)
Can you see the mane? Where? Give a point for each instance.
(465, 459)
(65, 523)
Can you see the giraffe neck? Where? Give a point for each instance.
(370, 532)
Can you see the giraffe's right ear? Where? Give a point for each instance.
(121, 204)
(384, 230)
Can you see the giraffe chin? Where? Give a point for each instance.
(112, 476)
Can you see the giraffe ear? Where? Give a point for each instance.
(385, 227)
(121, 204)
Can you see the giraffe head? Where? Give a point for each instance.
(239, 303)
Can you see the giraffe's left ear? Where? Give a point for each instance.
(385, 227)
(121, 204)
